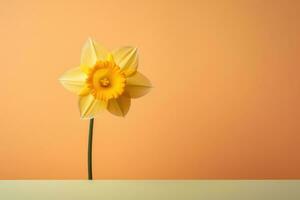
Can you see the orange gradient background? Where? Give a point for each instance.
(226, 101)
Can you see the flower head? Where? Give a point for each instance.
(106, 80)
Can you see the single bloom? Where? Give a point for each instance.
(106, 80)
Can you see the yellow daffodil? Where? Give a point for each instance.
(106, 80)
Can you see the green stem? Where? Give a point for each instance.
(90, 149)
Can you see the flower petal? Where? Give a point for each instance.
(73, 80)
(137, 85)
(119, 106)
(127, 59)
(89, 106)
(91, 53)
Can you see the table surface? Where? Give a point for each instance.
(154, 189)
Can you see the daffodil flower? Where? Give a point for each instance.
(106, 80)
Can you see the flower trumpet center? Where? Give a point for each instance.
(106, 81)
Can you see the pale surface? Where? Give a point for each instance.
(166, 190)
(225, 103)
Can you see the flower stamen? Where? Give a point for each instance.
(104, 82)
